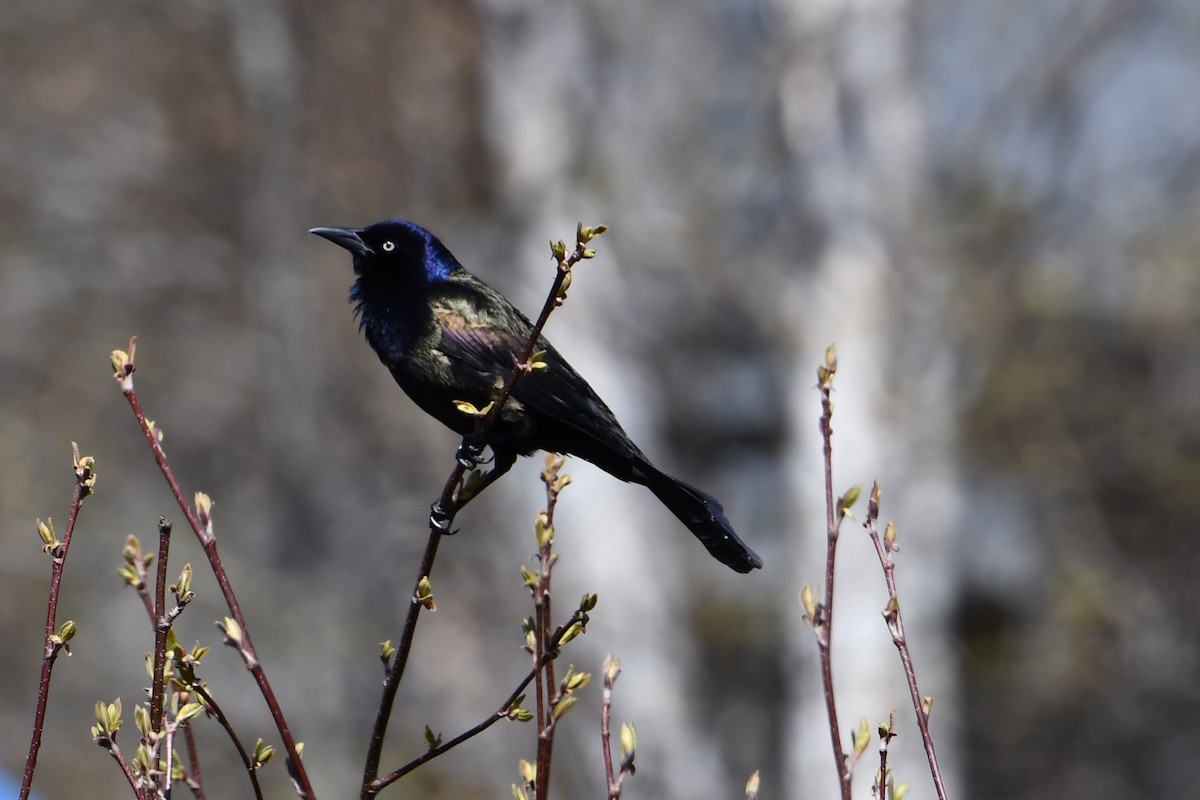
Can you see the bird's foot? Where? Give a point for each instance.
(440, 519)
(470, 455)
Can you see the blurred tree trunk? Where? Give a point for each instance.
(279, 298)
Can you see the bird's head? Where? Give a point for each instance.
(395, 250)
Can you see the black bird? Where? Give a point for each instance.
(447, 336)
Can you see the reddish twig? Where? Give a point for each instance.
(885, 546)
(161, 628)
(612, 669)
(115, 751)
(504, 711)
(547, 697)
(212, 708)
(823, 619)
(886, 734)
(396, 670)
(56, 641)
(135, 571)
(194, 781)
(541, 690)
(123, 364)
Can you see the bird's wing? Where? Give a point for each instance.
(489, 336)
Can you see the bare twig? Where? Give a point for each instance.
(135, 571)
(396, 670)
(823, 618)
(886, 734)
(505, 710)
(115, 751)
(56, 640)
(615, 779)
(212, 708)
(123, 365)
(885, 546)
(547, 695)
(161, 628)
(611, 669)
(194, 781)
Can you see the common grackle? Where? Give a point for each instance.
(447, 336)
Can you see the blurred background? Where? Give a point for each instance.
(991, 206)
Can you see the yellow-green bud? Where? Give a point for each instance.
(46, 534)
(628, 740)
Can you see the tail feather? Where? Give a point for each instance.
(704, 516)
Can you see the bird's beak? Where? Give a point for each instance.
(348, 238)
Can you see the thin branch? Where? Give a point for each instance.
(144, 593)
(194, 781)
(391, 683)
(55, 641)
(161, 621)
(542, 689)
(547, 697)
(161, 628)
(115, 752)
(135, 573)
(885, 546)
(886, 734)
(123, 364)
(211, 707)
(823, 623)
(615, 779)
(501, 713)
(614, 790)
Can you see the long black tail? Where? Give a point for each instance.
(704, 517)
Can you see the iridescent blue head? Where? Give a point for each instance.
(394, 251)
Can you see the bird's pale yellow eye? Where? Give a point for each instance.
(388, 246)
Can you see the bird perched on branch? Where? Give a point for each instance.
(448, 337)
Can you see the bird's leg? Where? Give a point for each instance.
(469, 454)
(440, 517)
(501, 463)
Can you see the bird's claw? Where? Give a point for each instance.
(440, 519)
(470, 455)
